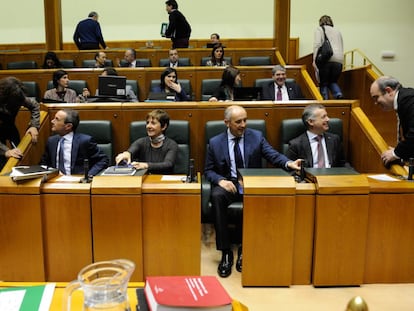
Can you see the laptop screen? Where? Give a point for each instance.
(247, 93)
(112, 86)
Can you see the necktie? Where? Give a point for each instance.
(321, 155)
(237, 153)
(62, 156)
(279, 93)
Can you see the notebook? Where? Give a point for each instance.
(247, 93)
(119, 171)
(112, 86)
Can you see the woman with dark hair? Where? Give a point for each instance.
(61, 92)
(217, 56)
(229, 79)
(157, 153)
(169, 85)
(12, 97)
(51, 61)
(330, 71)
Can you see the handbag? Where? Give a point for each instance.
(324, 52)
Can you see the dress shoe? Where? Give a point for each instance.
(225, 265)
(239, 259)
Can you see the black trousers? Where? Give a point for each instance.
(180, 42)
(89, 46)
(220, 201)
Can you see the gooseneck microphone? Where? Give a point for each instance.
(191, 172)
(86, 178)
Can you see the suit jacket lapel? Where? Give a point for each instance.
(75, 150)
(308, 152)
(329, 147)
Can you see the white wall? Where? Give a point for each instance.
(370, 25)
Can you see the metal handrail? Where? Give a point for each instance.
(356, 58)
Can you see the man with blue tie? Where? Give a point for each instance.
(67, 150)
(235, 148)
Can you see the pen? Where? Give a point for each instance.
(13, 145)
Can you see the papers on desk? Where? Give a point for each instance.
(173, 178)
(383, 177)
(28, 298)
(32, 171)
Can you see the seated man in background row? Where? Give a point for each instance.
(279, 89)
(100, 58)
(174, 59)
(237, 147)
(319, 148)
(129, 59)
(67, 150)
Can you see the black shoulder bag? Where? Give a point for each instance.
(324, 52)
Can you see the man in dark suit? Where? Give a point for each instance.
(279, 89)
(130, 59)
(316, 146)
(179, 30)
(76, 147)
(237, 147)
(390, 95)
(88, 34)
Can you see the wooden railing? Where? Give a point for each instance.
(31, 152)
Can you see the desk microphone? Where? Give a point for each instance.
(86, 178)
(191, 173)
(302, 173)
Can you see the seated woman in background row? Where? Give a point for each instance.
(110, 71)
(169, 85)
(217, 56)
(229, 79)
(157, 153)
(61, 92)
(51, 61)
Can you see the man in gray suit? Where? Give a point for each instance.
(319, 148)
(279, 89)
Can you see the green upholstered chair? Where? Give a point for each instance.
(68, 63)
(101, 131)
(255, 61)
(208, 86)
(32, 89)
(179, 131)
(24, 64)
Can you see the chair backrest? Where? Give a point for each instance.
(144, 62)
(184, 61)
(77, 85)
(90, 63)
(24, 64)
(134, 86)
(101, 131)
(215, 127)
(32, 89)
(255, 61)
(292, 128)
(179, 131)
(204, 60)
(185, 84)
(67, 63)
(208, 86)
